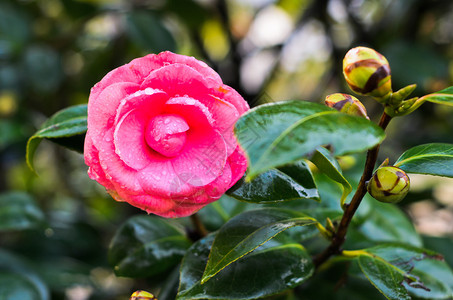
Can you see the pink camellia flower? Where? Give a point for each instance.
(160, 134)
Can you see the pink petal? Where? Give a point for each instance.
(225, 116)
(172, 58)
(159, 179)
(166, 134)
(129, 140)
(133, 72)
(178, 80)
(181, 210)
(151, 204)
(149, 100)
(219, 186)
(122, 176)
(203, 158)
(230, 95)
(195, 113)
(102, 110)
(238, 164)
(91, 155)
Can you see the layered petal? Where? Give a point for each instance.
(92, 160)
(120, 175)
(160, 134)
(102, 110)
(238, 164)
(179, 80)
(230, 95)
(166, 58)
(131, 131)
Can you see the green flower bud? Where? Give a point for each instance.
(367, 72)
(347, 104)
(389, 184)
(142, 295)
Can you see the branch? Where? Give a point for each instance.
(199, 230)
(339, 236)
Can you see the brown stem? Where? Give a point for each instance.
(339, 237)
(200, 230)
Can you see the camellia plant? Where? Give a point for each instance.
(164, 134)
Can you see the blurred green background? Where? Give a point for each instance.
(57, 226)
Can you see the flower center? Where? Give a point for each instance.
(166, 134)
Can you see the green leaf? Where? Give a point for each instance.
(282, 133)
(246, 232)
(387, 223)
(146, 246)
(384, 277)
(433, 159)
(327, 164)
(18, 281)
(276, 185)
(398, 270)
(219, 212)
(444, 96)
(19, 211)
(169, 289)
(66, 123)
(286, 266)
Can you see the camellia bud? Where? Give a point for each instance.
(389, 184)
(367, 72)
(347, 104)
(142, 295)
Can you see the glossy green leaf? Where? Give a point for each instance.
(387, 279)
(387, 223)
(327, 164)
(246, 232)
(441, 245)
(398, 270)
(146, 246)
(444, 96)
(437, 277)
(276, 185)
(433, 159)
(219, 212)
(169, 289)
(271, 269)
(19, 211)
(18, 280)
(282, 133)
(69, 122)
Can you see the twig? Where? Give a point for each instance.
(200, 229)
(339, 237)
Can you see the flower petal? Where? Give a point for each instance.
(149, 100)
(194, 112)
(131, 131)
(238, 164)
(230, 95)
(178, 80)
(102, 110)
(219, 186)
(201, 67)
(92, 160)
(122, 176)
(203, 158)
